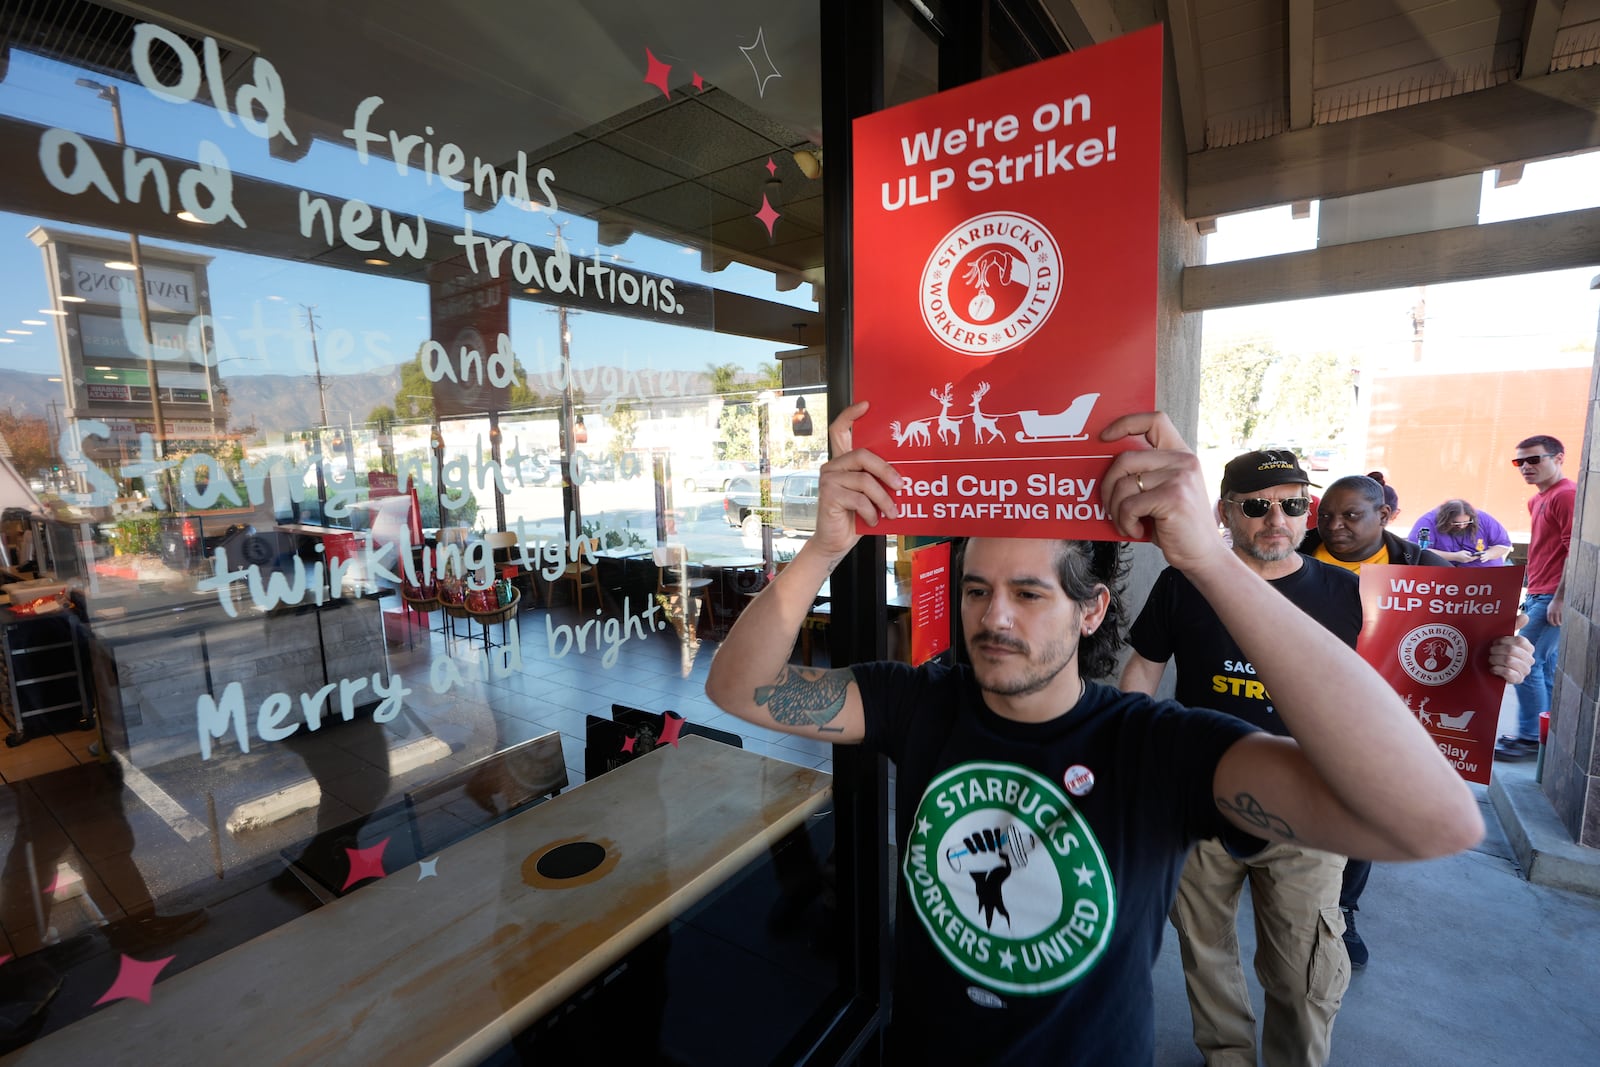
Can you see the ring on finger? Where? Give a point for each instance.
(1138, 479)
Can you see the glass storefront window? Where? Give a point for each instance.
(401, 413)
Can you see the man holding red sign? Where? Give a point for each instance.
(1042, 817)
(1294, 890)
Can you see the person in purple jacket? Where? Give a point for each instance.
(1464, 535)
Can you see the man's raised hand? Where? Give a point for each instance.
(854, 482)
(1159, 492)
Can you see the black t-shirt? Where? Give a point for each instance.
(1038, 863)
(1212, 671)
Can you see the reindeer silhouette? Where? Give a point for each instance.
(982, 422)
(916, 433)
(949, 429)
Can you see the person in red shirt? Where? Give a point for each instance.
(1538, 460)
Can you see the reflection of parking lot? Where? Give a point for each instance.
(627, 506)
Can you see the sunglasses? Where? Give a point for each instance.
(1256, 507)
(1521, 461)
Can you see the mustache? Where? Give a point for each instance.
(989, 637)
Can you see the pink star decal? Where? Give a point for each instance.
(698, 82)
(768, 214)
(772, 168)
(670, 728)
(365, 863)
(657, 74)
(627, 743)
(134, 980)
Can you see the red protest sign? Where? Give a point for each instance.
(1427, 630)
(1005, 289)
(930, 601)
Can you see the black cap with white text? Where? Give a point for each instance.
(1255, 471)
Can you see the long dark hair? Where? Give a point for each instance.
(1082, 568)
(1449, 512)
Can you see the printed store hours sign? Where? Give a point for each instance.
(1005, 281)
(1427, 630)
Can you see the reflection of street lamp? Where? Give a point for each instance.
(349, 434)
(322, 404)
(109, 93)
(570, 499)
(435, 449)
(764, 466)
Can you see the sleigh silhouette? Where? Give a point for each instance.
(1456, 722)
(1063, 426)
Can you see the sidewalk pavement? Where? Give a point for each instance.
(1471, 964)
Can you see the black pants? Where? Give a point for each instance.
(1355, 880)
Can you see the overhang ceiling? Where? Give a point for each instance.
(1285, 100)
(1280, 100)
(502, 76)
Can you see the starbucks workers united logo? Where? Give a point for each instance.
(990, 283)
(1008, 879)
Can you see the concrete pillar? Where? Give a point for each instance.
(1572, 755)
(1177, 333)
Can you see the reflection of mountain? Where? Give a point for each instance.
(274, 403)
(271, 402)
(277, 402)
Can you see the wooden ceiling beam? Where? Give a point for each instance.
(1191, 79)
(1463, 253)
(1088, 22)
(1299, 52)
(1539, 26)
(1537, 118)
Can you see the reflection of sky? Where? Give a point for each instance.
(364, 321)
(1468, 323)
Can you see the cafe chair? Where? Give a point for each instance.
(683, 595)
(580, 572)
(502, 547)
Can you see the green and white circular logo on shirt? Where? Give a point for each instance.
(1008, 879)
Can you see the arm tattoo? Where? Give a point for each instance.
(1248, 809)
(801, 696)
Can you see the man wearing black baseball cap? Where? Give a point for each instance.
(1300, 957)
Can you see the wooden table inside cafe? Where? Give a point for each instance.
(446, 969)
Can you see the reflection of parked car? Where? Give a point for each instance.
(794, 501)
(715, 476)
(598, 467)
(534, 469)
(188, 538)
(266, 550)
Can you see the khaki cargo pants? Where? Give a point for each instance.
(1300, 955)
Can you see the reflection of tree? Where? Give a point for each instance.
(413, 399)
(382, 420)
(724, 378)
(624, 422)
(736, 425)
(32, 449)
